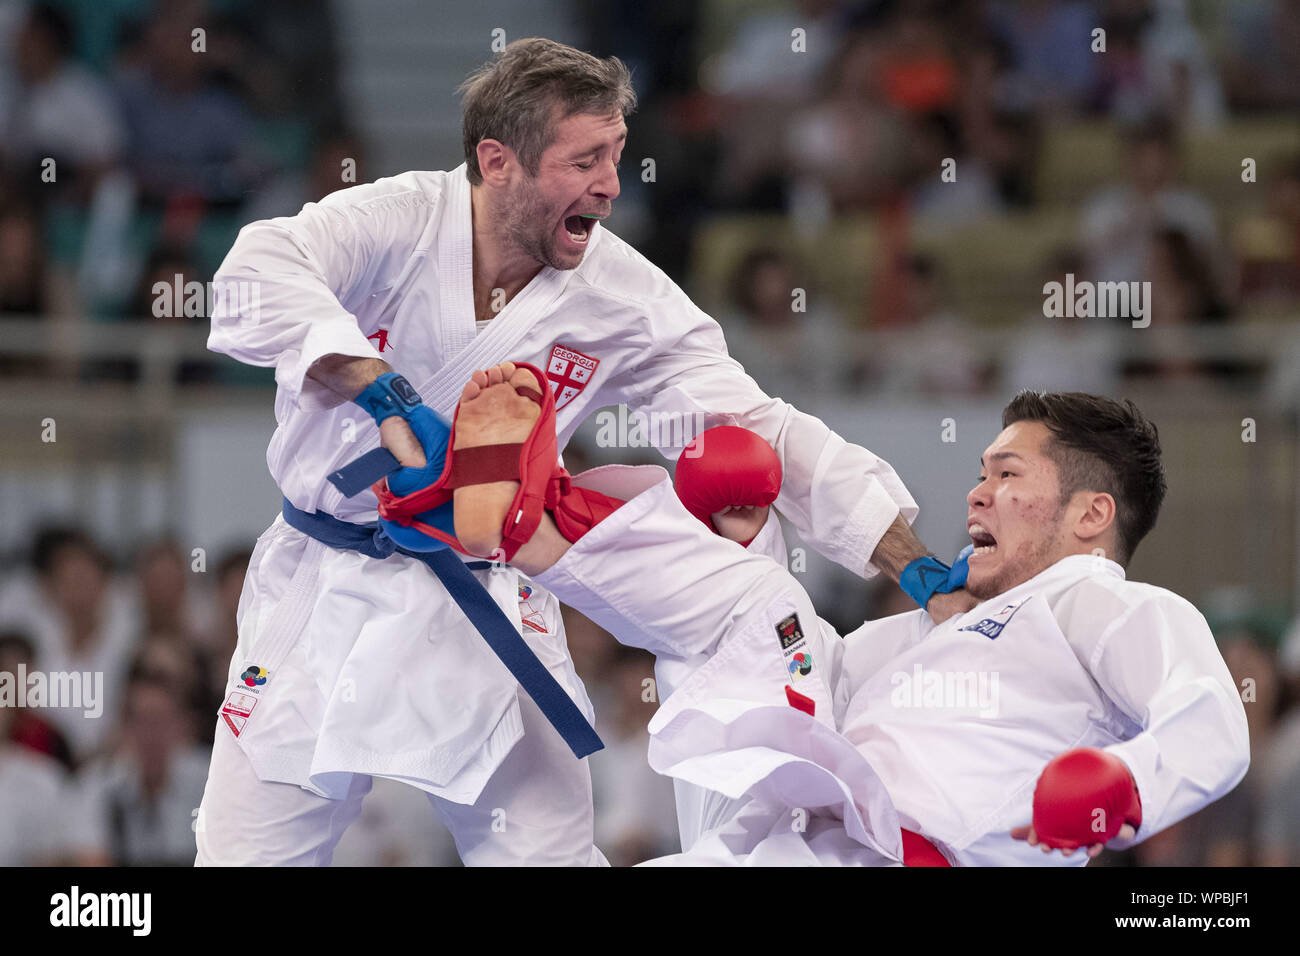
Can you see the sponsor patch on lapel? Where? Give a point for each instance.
(529, 616)
(991, 627)
(789, 631)
(236, 711)
(569, 372)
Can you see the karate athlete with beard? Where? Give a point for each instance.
(355, 661)
(1112, 715)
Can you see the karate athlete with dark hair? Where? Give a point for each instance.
(1086, 710)
(357, 659)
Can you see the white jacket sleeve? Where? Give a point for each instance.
(1160, 665)
(840, 497)
(286, 292)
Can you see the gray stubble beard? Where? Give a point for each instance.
(522, 217)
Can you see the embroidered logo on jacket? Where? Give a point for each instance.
(789, 631)
(800, 665)
(991, 627)
(569, 372)
(529, 616)
(236, 711)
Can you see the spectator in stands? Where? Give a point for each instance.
(187, 137)
(1120, 223)
(215, 645)
(1009, 149)
(970, 195)
(1269, 247)
(1182, 81)
(1066, 354)
(22, 262)
(155, 296)
(950, 364)
(1228, 832)
(1156, 62)
(998, 127)
(61, 111)
(182, 667)
(594, 651)
(1263, 61)
(140, 803)
(28, 728)
(636, 815)
(173, 608)
(1184, 287)
(757, 82)
(758, 63)
(34, 802)
(339, 153)
(1053, 68)
(1279, 828)
(395, 828)
(170, 267)
(1268, 244)
(1279, 825)
(780, 329)
(1184, 293)
(848, 151)
(80, 621)
(222, 634)
(917, 72)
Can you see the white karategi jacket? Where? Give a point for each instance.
(374, 669)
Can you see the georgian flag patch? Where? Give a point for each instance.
(569, 372)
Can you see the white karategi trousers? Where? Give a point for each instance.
(320, 621)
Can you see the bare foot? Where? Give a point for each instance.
(491, 413)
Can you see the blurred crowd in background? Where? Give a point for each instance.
(1067, 161)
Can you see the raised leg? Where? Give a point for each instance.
(492, 412)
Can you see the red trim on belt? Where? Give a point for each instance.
(918, 851)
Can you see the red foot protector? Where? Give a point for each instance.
(1083, 797)
(543, 484)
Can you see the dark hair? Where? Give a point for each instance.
(743, 277)
(236, 560)
(1192, 269)
(1156, 128)
(50, 541)
(51, 21)
(17, 642)
(1099, 444)
(513, 97)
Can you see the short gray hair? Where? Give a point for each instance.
(513, 98)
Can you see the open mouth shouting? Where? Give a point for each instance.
(577, 228)
(984, 542)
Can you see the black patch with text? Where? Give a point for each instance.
(789, 631)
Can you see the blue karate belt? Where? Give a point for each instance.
(473, 599)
